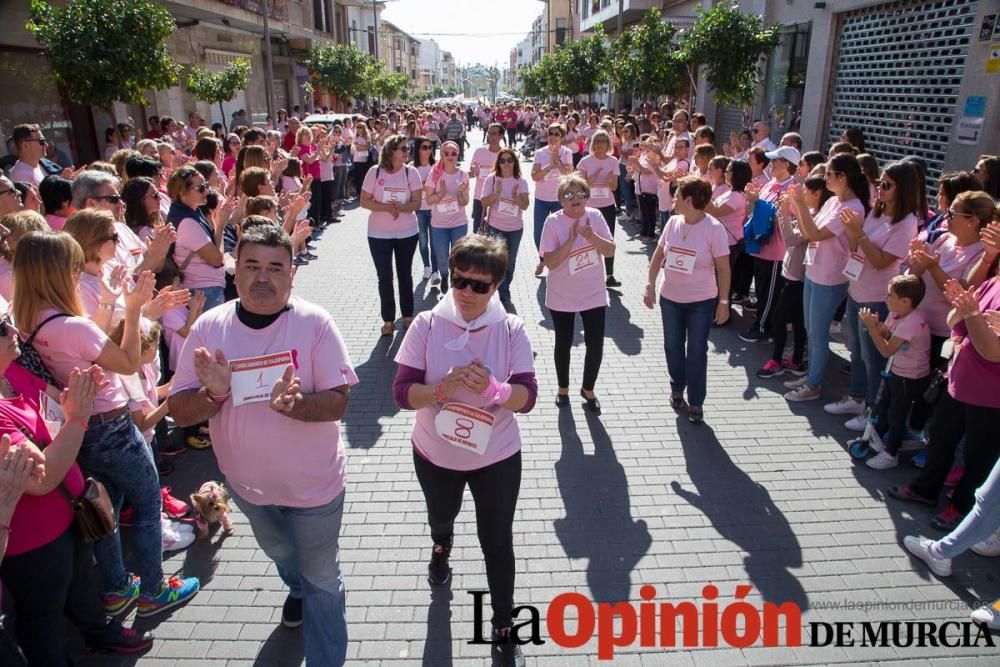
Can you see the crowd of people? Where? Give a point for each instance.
(159, 283)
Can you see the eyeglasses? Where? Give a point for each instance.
(477, 286)
(112, 237)
(9, 191)
(886, 185)
(574, 196)
(426, 147)
(201, 187)
(506, 160)
(112, 199)
(952, 213)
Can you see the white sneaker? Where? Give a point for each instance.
(175, 540)
(990, 546)
(882, 461)
(435, 278)
(796, 383)
(427, 272)
(918, 546)
(857, 423)
(803, 393)
(835, 328)
(988, 614)
(845, 406)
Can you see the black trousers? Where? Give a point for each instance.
(358, 172)
(922, 409)
(769, 281)
(900, 395)
(593, 339)
(46, 584)
(511, 137)
(329, 190)
(647, 213)
(477, 215)
(609, 213)
(383, 252)
(494, 491)
(787, 311)
(953, 419)
(316, 203)
(741, 265)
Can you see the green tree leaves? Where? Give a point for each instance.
(344, 71)
(219, 87)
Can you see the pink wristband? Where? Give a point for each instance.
(497, 392)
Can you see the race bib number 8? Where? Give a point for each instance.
(254, 377)
(465, 427)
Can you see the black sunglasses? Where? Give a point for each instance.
(5, 325)
(114, 199)
(201, 187)
(506, 160)
(113, 237)
(478, 286)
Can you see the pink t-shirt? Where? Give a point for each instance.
(424, 171)
(173, 321)
(89, 288)
(888, 237)
(381, 185)
(66, 343)
(504, 347)
(482, 158)
(191, 237)
(689, 258)
(448, 212)
(773, 250)
(309, 169)
(913, 359)
(971, 378)
(505, 214)
(547, 188)
(56, 222)
(578, 283)
(22, 171)
(6, 274)
(733, 222)
(599, 172)
(646, 184)
(825, 260)
(37, 520)
(719, 190)
(268, 458)
(664, 198)
(130, 250)
(956, 261)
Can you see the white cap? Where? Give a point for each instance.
(789, 153)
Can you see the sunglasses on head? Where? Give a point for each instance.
(477, 286)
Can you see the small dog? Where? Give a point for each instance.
(211, 504)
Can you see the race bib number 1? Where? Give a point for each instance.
(254, 377)
(465, 427)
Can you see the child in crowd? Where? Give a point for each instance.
(906, 339)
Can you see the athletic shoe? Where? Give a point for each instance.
(919, 460)
(291, 612)
(435, 278)
(906, 493)
(835, 328)
(173, 592)
(919, 547)
(990, 546)
(796, 383)
(988, 614)
(299, 261)
(750, 304)
(174, 540)
(882, 461)
(803, 393)
(504, 652)
(117, 601)
(171, 449)
(612, 282)
(118, 639)
(177, 509)
(947, 520)
(954, 476)
(845, 406)
(770, 370)
(438, 570)
(427, 272)
(197, 441)
(792, 368)
(856, 423)
(310, 256)
(753, 335)
(738, 299)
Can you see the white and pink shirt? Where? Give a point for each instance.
(448, 212)
(600, 173)
(894, 239)
(505, 213)
(386, 187)
(578, 283)
(192, 237)
(956, 261)
(689, 254)
(547, 188)
(826, 259)
(913, 359)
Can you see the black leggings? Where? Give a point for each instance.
(899, 396)
(494, 491)
(358, 172)
(593, 338)
(609, 217)
(787, 311)
(647, 213)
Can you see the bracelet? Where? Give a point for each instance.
(106, 306)
(724, 302)
(218, 399)
(439, 392)
(78, 420)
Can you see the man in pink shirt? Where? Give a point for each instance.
(30, 147)
(272, 375)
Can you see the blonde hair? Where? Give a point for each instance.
(255, 156)
(120, 157)
(90, 227)
(144, 144)
(573, 180)
(302, 131)
(251, 179)
(46, 272)
(100, 165)
(19, 224)
(601, 135)
(977, 204)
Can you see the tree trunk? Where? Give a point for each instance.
(222, 112)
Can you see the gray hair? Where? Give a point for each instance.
(274, 135)
(574, 180)
(87, 183)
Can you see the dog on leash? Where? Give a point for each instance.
(211, 505)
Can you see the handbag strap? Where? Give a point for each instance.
(43, 323)
(73, 500)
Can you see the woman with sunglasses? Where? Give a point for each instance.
(467, 369)
(481, 168)
(825, 284)
(574, 240)
(600, 169)
(198, 251)
(447, 191)
(423, 162)
(47, 303)
(550, 165)
(878, 245)
(505, 198)
(392, 192)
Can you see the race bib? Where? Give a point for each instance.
(484, 170)
(855, 264)
(553, 175)
(600, 192)
(507, 207)
(465, 427)
(394, 196)
(52, 413)
(680, 259)
(582, 259)
(254, 377)
(449, 205)
(361, 156)
(811, 253)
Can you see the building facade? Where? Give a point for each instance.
(400, 52)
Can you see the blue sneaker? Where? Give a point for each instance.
(116, 601)
(173, 592)
(919, 459)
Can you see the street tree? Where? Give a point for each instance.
(340, 70)
(730, 45)
(584, 64)
(382, 84)
(106, 51)
(219, 87)
(645, 60)
(530, 83)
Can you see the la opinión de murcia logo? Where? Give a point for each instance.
(706, 624)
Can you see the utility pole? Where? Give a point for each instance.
(268, 64)
(375, 28)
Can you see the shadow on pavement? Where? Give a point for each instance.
(282, 647)
(742, 511)
(437, 645)
(598, 525)
(371, 398)
(621, 329)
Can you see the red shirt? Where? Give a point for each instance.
(288, 141)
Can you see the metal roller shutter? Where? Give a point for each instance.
(897, 75)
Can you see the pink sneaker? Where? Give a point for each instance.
(955, 476)
(770, 370)
(790, 367)
(177, 509)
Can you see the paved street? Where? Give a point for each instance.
(762, 494)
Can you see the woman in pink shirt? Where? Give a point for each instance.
(467, 369)
(309, 155)
(825, 284)
(550, 165)
(505, 199)
(447, 191)
(233, 145)
(574, 240)
(600, 169)
(694, 254)
(13, 227)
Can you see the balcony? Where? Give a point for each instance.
(608, 16)
(276, 9)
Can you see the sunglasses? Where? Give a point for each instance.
(202, 187)
(506, 160)
(449, 154)
(5, 326)
(113, 237)
(114, 199)
(477, 286)
(886, 185)
(574, 196)
(555, 134)
(426, 147)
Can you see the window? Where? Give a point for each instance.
(784, 88)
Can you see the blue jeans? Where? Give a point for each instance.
(513, 240)
(866, 361)
(978, 524)
(115, 453)
(819, 303)
(542, 210)
(685, 340)
(340, 182)
(214, 296)
(442, 239)
(427, 255)
(303, 543)
(627, 188)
